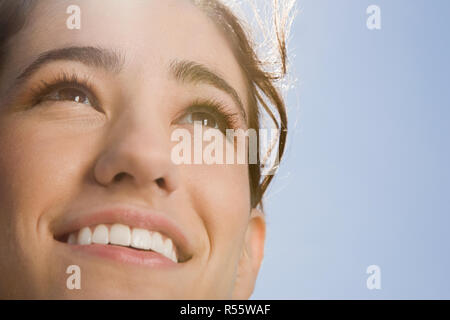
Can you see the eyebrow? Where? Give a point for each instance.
(193, 72)
(109, 60)
(113, 61)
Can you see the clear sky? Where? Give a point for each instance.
(366, 177)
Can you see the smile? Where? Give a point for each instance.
(123, 235)
(127, 234)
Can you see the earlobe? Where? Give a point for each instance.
(251, 256)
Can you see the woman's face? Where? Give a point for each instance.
(85, 140)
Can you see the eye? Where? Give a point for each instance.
(206, 119)
(212, 114)
(68, 94)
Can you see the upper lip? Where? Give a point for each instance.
(131, 215)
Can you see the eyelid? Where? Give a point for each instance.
(54, 89)
(214, 108)
(64, 80)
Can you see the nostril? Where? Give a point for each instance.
(161, 182)
(120, 176)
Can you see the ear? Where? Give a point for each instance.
(251, 256)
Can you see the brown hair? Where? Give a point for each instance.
(263, 94)
(262, 91)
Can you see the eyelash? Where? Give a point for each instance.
(225, 118)
(215, 108)
(61, 81)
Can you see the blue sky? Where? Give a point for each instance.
(366, 178)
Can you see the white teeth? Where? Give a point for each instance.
(172, 253)
(120, 235)
(157, 243)
(168, 248)
(174, 256)
(141, 239)
(85, 236)
(72, 239)
(101, 234)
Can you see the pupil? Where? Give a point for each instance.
(206, 119)
(72, 95)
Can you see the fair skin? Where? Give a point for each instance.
(63, 157)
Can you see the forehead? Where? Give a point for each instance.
(149, 33)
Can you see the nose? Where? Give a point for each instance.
(137, 151)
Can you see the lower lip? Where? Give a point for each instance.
(126, 255)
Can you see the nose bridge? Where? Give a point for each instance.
(142, 124)
(138, 147)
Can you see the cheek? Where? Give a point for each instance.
(38, 170)
(222, 199)
(39, 166)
